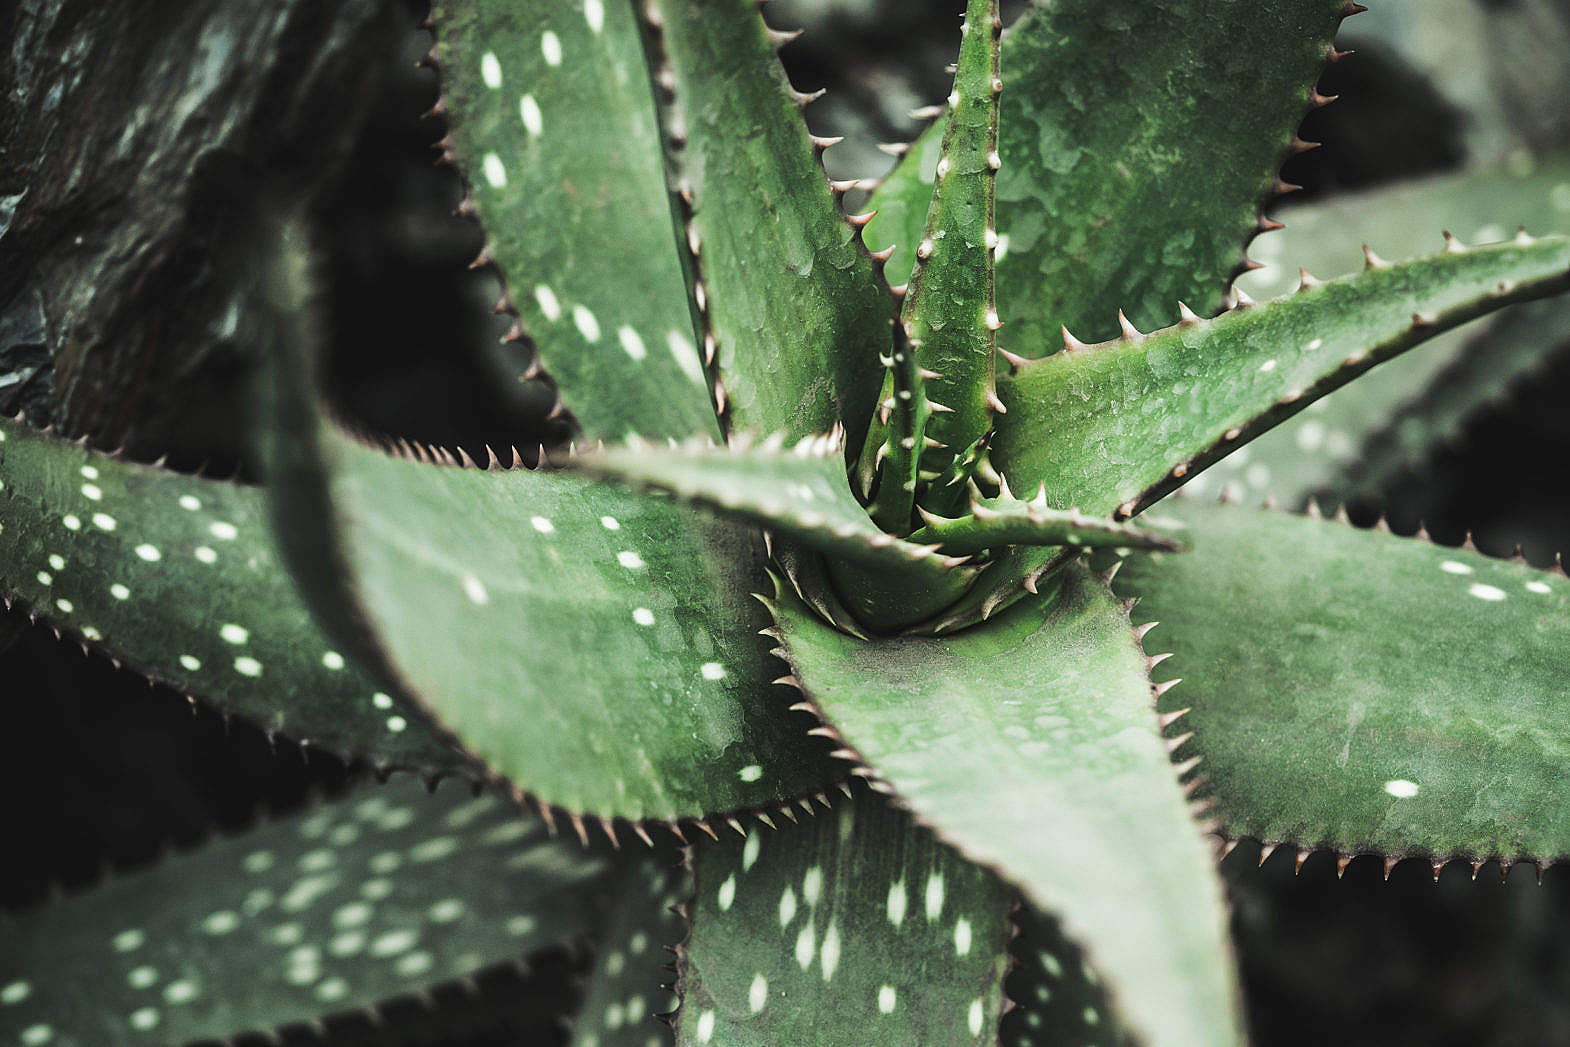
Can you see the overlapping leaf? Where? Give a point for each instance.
(1362, 433)
(1137, 140)
(179, 578)
(851, 927)
(553, 117)
(1117, 425)
(1360, 691)
(1031, 745)
(327, 912)
(792, 300)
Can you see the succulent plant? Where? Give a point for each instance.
(835, 588)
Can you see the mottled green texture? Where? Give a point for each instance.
(385, 893)
(1114, 426)
(1031, 744)
(1059, 998)
(890, 464)
(1356, 690)
(949, 313)
(630, 984)
(180, 579)
(855, 926)
(797, 312)
(553, 119)
(799, 492)
(994, 523)
(1360, 435)
(1138, 141)
(498, 595)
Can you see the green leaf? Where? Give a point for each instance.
(1030, 743)
(997, 522)
(853, 927)
(597, 646)
(634, 967)
(385, 893)
(553, 118)
(798, 313)
(950, 315)
(1135, 180)
(1364, 692)
(801, 492)
(1058, 997)
(179, 578)
(1360, 435)
(889, 468)
(1116, 426)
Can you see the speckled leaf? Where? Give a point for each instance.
(1362, 433)
(635, 963)
(949, 313)
(854, 927)
(798, 314)
(1058, 997)
(178, 578)
(1116, 426)
(1362, 691)
(595, 645)
(1030, 743)
(997, 522)
(800, 492)
(1134, 181)
(553, 118)
(384, 894)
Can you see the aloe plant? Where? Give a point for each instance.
(835, 589)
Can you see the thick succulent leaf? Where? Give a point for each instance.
(889, 467)
(634, 967)
(853, 927)
(798, 314)
(949, 315)
(1058, 997)
(997, 522)
(1364, 432)
(383, 894)
(553, 117)
(1135, 179)
(1360, 691)
(595, 645)
(1030, 743)
(801, 492)
(1117, 425)
(179, 578)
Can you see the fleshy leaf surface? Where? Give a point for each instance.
(1362, 433)
(179, 578)
(949, 315)
(553, 117)
(892, 937)
(1058, 997)
(997, 522)
(1030, 740)
(798, 314)
(384, 893)
(1135, 179)
(800, 491)
(1115, 426)
(595, 645)
(634, 968)
(1365, 692)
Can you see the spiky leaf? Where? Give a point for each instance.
(950, 315)
(634, 968)
(553, 117)
(853, 927)
(179, 578)
(1361, 434)
(1059, 998)
(1168, 131)
(331, 911)
(997, 522)
(798, 314)
(1030, 743)
(1356, 690)
(1115, 426)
